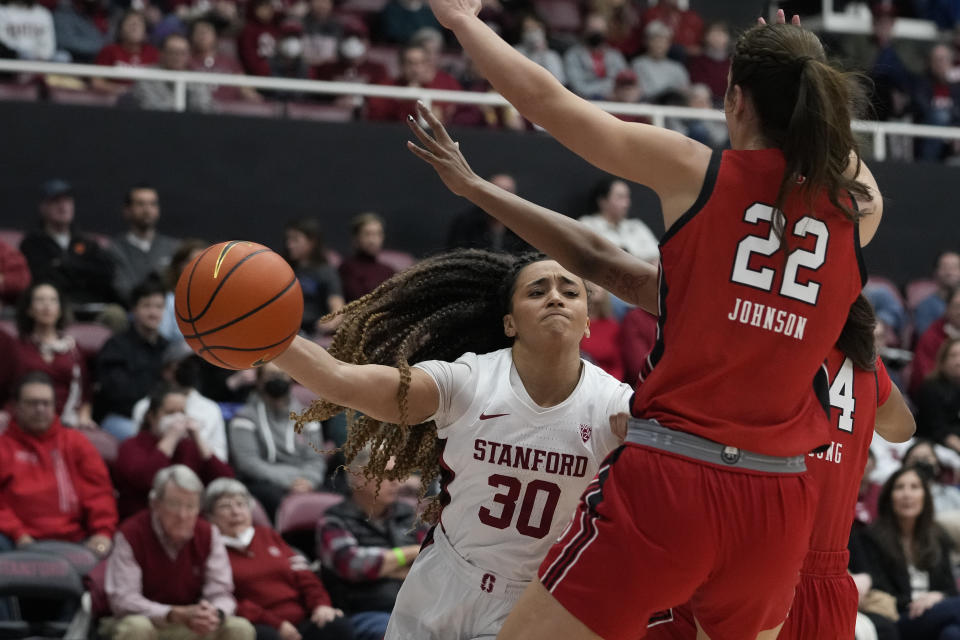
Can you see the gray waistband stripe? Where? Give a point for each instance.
(651, 434)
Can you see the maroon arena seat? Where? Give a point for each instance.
(398, 260)
(90, 337)
(298, 515)
(918, 291)
(105, 443)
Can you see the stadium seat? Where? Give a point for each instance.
(12, 237)
(244, 108)
(33, 574)
(885, 283)
(319, 112)
(918, 291)
(90, 337)
(19, 92)
(80, 558)
(260, 517)
(82, 97)
(387, 56)
(105, 443)
(398, 260)
(298, 515)
(560, 15)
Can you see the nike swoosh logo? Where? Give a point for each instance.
(484, 416)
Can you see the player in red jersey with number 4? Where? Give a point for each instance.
(825, 605)
(759, 267)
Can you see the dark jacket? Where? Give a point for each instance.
(83, 272)
(889, 573)
(128, 368)
(938, 404)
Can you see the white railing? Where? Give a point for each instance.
(658, 114)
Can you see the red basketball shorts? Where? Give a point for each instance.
(654, 530)
(826, 602)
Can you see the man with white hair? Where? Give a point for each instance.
(169, 576)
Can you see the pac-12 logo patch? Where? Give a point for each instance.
(486, 584)
(585, 431)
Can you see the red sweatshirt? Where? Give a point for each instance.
(53, 486)
(139, 459)
(272, 582)
(15, 273)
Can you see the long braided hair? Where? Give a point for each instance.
(438, 309)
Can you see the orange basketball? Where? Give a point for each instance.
(238, 304)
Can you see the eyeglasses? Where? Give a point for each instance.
(36, 402)
(180, 507)
(228, 504)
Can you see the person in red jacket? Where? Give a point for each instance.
(14, 273)
(130, 50)
(167, 437)
(925, 353)
(417, 69)
(53, 483)
(273, 584)
(257, 43)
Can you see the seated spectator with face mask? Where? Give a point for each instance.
(271, 458)
(167, 437)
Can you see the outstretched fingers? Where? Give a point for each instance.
(435, 125)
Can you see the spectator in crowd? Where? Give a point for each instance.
(638, 334)
(271, 458)
(908, 557)
(946, 497)
(936, 100)
(889, 63)
(44, 346)
(534, 45)
(287, 60)
(658, 73)
(686, 26)
(470, 115)
(187, 250)
(53, 483)
(366, 544)
(81, 28)
(141, 251)
(322, 293)
(627, 89)
(712, 133)
(431, 40)
(602, 342)
(26, 28)
(169, 575)
(257, 43)
(625, 33)
(131, 49)
(947, 276)
(130, 363)
(476, 229)
(592, 64)
(938, 403)
(182, 368)
(159, 95)
(14, 273)
(416, 70)
(352, 64)
(712, 65)
(322, 32)
(925, 354)
(887, 305)
(362, 272)
(273, 584)
(56, 253)
(207, 56)
(612, 199)
(167, 436)
(400, 19)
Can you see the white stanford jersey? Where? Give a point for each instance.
(513, 472)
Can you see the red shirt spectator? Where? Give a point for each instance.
(130, 50)
(415, 71)
(362, 273)
(14, 273)
(118, 55)
(66, 367)
(207, 56)
(712, 66)
(53, 483)
(167, 437)
(257, 43)
(603, 346)
(925, 354)
(686, 25)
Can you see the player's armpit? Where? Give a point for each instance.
(895, 423)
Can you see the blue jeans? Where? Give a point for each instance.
(120, 427)
(370, 625)
(939, 622)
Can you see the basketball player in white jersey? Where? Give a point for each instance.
(523, 430)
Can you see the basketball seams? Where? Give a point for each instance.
(198, 335)
(219, 284)
(192, 321)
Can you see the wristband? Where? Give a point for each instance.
(401, 557)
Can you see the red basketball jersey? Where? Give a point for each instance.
(744, 326)
(855, 395)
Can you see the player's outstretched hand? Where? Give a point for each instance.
(448, 11)
(441, 152)
(782, 19)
